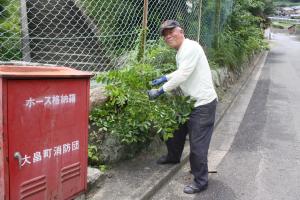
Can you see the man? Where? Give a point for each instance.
(194, 77)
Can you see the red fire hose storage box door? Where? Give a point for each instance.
(45, 129)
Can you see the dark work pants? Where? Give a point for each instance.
(200, 128)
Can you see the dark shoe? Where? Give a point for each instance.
(192, 189)
(165, 160)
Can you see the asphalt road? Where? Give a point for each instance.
(263, 161)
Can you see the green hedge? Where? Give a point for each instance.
(129, 114)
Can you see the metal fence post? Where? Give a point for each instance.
(25, 35)
(199, 22)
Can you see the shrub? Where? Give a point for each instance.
(242, 36)
(129, 114)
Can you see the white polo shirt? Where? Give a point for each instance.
(193, 74)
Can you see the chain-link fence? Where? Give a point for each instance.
(97, 35)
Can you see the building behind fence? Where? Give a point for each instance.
(98, 35)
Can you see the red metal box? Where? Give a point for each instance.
(43, 132)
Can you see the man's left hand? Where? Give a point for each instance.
(154, 93)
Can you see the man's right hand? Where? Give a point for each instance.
(158, 81)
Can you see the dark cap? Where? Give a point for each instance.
(168, 24)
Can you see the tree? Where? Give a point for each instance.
(9, 30)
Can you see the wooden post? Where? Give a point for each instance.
(217, 22)
(145, 21)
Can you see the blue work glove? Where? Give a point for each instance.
(158, 81)
(154, 93)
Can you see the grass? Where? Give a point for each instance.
(277, 25)
(286, 4)
(281, 25)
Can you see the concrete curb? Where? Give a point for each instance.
(149, 192)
